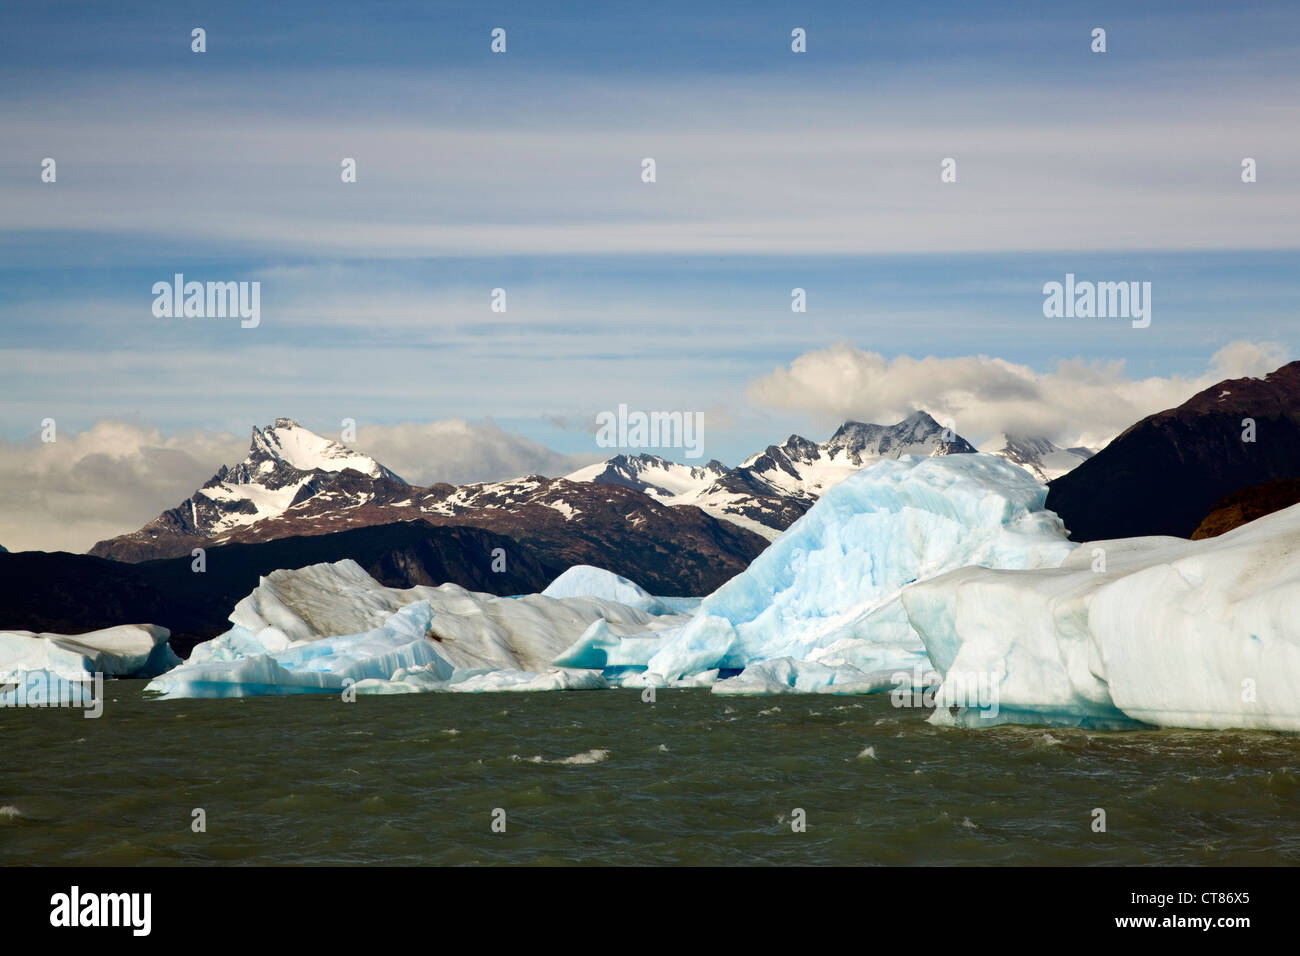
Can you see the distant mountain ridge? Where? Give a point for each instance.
(770, 490)
(294, 482)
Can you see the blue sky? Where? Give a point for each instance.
(521, 171)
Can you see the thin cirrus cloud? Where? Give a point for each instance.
(457, 451)
(813, 169)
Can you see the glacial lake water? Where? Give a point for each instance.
(603, 777)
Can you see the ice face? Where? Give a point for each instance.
(827, 590)
(1159, 631)
(786, 675)
(326, 665)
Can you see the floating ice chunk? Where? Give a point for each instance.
(651, 679)
(321, 666)
(1170, 632)
(582, 580)
(427, 680)
(287, 638)
(577, 760)
(128, 650)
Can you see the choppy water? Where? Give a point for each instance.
(601, 777)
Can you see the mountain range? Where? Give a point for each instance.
(295, 482)
(1227, 456)
(769, 490)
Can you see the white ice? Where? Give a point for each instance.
(826, 591)
(583, 580)
(56, 662)
(1161, 631)
(128, 650)
(326, 627)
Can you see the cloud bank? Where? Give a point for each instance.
(108, 479)
(1077, 403)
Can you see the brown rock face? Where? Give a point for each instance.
(1246, 505)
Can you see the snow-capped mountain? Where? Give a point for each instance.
(769, 491)
(658, 477)
(800, 467)
(296, 484)
(1038, 456)
(287, 442)
(643, 516)
(286, 466)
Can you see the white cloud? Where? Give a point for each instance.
(1077, 403)
(108, 479)
(457, 451)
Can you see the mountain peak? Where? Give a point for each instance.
(917, 434)
(286, 466)
(287, 442)
(1039, 456)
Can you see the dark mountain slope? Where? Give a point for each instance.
(1164, 473)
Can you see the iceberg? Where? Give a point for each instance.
(826, 592)
(1152, 631)
(330, 627)
(62, 664)
(128, 650)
